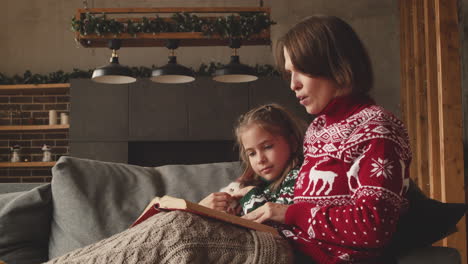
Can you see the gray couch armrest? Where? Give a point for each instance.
(25, 224)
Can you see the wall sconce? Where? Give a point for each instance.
(235, 72)
(172, 72)
(113, 73)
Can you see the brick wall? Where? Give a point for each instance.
(31, 108)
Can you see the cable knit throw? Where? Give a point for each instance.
(179, 237)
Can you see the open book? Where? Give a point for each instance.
(168, 203)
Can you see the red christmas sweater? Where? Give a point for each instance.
(351, 188)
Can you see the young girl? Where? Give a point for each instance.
(270, 147)
(270, 143)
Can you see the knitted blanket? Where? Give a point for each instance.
(179, 237)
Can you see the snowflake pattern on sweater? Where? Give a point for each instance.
(351, 187)
(258, 196)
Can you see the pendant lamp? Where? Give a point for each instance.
(113, 73)
(172, 72)
(235, 72)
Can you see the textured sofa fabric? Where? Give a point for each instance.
(25, 225)
(94, 200)
(17, 187)
(89, 200)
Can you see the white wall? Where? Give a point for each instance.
(36, 35)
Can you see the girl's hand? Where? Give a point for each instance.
(218, 201)
(269, 211)
(242, 192)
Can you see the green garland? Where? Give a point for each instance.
(54, 77)
(242, 26)
(137, 72)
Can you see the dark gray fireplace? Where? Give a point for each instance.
(152, 154)
(151, 124)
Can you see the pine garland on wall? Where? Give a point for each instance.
(137, 72)
(242, 26)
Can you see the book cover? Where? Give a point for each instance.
(168, 203)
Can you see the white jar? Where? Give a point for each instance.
(15, 156)
(52, 117)
(64, 119)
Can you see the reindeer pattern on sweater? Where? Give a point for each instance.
(350, 190)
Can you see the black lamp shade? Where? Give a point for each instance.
(172, 73)
(113, 73)
(235, 72)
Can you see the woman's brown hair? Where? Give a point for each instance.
(278, 121)
(327, 47)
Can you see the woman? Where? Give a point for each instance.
(351, 187)
(350, 190)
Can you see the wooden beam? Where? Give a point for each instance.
(433, 148)
(450, 113)
(407, 93)
(159, 40)
(173, 10)
(404, 34)
(432, 100)
(420, 149)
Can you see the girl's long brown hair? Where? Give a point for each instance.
(278, 121)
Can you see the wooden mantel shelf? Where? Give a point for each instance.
(26, 164)
(51, 87)
(34, 127)
(188, 39)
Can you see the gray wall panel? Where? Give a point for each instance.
(157, 111)
(214, 107)
(98, 111)
(104, 151)
(276, 90)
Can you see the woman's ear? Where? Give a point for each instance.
(294, 144)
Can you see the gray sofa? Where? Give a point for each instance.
(89, 200)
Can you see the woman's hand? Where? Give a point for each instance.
(218, 201)
(269, 211)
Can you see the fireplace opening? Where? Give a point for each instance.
(152, 154)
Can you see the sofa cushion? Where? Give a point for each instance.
(93, 199)
(426, 222)
(24, 225)
(17, 187)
